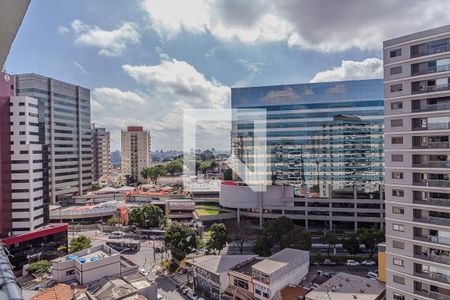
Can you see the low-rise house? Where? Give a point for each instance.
(210, 273)
(91, 264)
(269, 276)
(344, 286)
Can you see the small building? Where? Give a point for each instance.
(90, 265)
(345, 286)
(210, 273)
(269, 276)
(180, 210)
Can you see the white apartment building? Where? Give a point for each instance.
(135, 151)
(101, 148)
(417, 165)
(26, 166)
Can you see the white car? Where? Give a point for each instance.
(372, 275)
(352, 263)
(368, 263)
(160, 297)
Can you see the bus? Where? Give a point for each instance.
(124, 245)
(152, 234)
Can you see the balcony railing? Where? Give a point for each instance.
(432, 88)
(430, 70)
(433, 201)
(432, 164)
(433, 107)
(436, 50)
(443, 259)
(433, 183)
(432, 145)
(431, 295)
(433, 276)
(439, 126)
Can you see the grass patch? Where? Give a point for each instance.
(205, 212)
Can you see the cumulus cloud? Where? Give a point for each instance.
(110, 43)
(369, 68)
(164, 91)
(322, 25)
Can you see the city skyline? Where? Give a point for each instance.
(145, 63)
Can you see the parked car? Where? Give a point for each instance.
(191, 295)
(329, 262)
(160, 297)
(372, 275)
(352, 263)
(368, 263)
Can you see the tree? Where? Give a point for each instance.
(39, 267)
(228, 174)
(218, 238)
(144, 174)
(371, 238)
(274, 229)
(155, 172)
(175, 166)
(351, 244)
(79, 243)
(113, 221)
(317, 257)
(129, 179)
(146, 216)
(180, 240)
(214, 165)
(262, 246)
(330, 239)
(204, 166)
(296, 238)
(239, 235)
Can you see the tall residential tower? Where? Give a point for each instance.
(101, 145)
(136, 149)
(417, 164)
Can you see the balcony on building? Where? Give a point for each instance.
(431, 161)
(431, 142)
(431, 179)
(431, 291)
(432, 254)
(431, 272)
(430, 86)
(431, 217)
(431, 123)
(432, 66)
(433, 47)
(432, 236)
(434, 104)
(431, 198)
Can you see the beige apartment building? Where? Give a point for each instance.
(136, 149)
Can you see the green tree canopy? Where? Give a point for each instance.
(175, 166)
(274, 229)
(296, 238)
(218, 238)
(204, 166)
(351, 244)
(39, 267)
(371, 237)
(79, 243)
(153, 173)
(146, 216)
(330, 239)
(113, 221)
(228, 174)
(262, 246)
(180, 240)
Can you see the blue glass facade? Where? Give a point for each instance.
(321, 137)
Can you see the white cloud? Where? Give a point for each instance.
(110, 43)
(165, 90)
(322, 25)
(369, 68)
(63, 30)
(80, 67)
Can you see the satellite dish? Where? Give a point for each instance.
(7, 77)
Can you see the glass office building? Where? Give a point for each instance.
(323, 138)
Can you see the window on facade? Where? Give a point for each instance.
(396, 88)
(397, 105)
(397, 140)
(398, 227)
(398, 210)
(395, 53)
(398, 279)
(396, 70)
(398, 245)
(398, 262)
(397, 157)
(397, 123)
(397, 296)
(398, 193)
(397, 175)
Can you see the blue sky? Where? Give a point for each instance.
(146, 60)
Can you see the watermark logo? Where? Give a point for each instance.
(254, 172)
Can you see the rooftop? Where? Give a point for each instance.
(279, 260)
(345, 286)
(246, 268)
(60, 291)
(87, 255)
(293, 292)
(220, 263)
